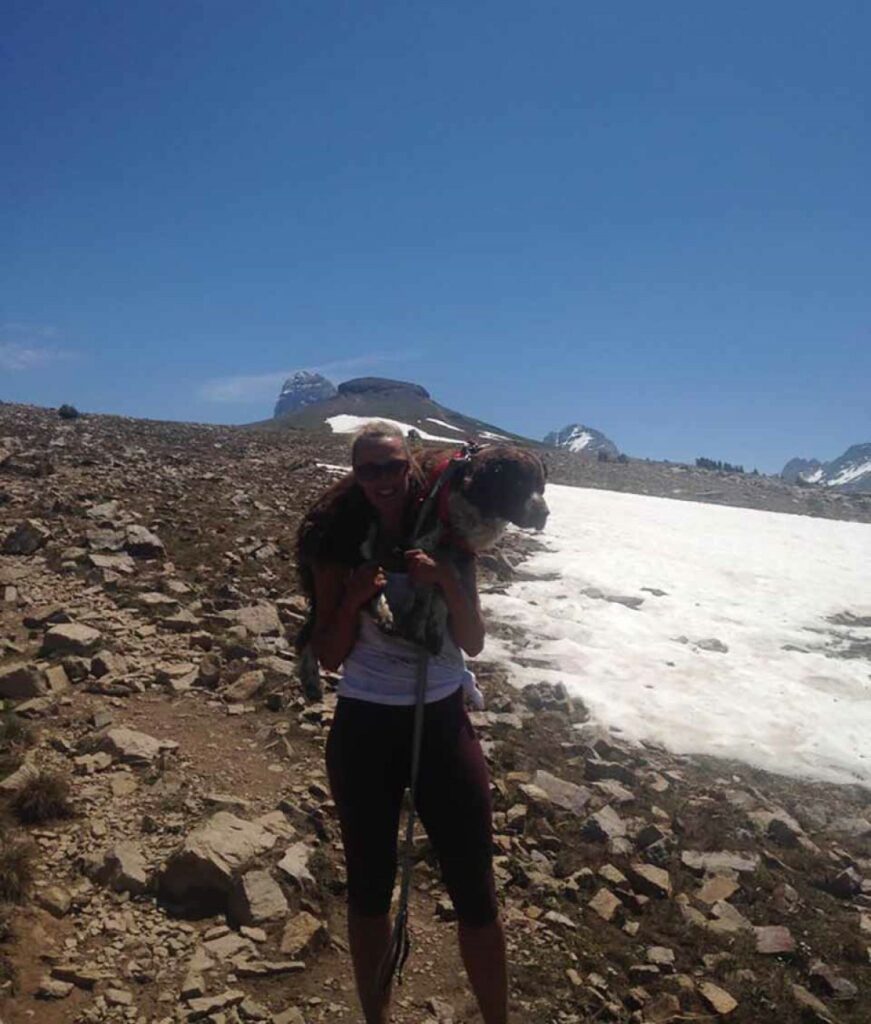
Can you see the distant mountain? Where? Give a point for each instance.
(578, 438)
(409, 405)
(809, 471)
(849, 472)
(301, 389)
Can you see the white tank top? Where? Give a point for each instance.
(383, 669)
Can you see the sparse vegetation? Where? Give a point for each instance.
(718, 465)
(45, 797)
(68, 412)
(8, 975)
(16, 867)
(15, 737)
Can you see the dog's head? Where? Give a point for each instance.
(506, 482)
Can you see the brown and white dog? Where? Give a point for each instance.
(497, 485)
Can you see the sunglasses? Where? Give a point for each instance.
(371, 471)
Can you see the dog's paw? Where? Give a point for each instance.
(310, 675)
(382, 615)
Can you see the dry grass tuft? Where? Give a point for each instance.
(44, 798)
(15, 736)
(16, 868)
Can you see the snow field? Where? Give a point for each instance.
(757, 582)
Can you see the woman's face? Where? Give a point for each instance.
(381, 470)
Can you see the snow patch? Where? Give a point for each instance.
(345, 423)
(757, 582)
(849, 473)
(441, 423)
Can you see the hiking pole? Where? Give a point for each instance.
(399, 946)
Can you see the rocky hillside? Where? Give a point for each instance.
(578, 438)
(169, 851)
(409, 405)
(849, 472)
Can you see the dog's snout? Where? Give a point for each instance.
(535, 513)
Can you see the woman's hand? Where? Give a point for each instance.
(424, 570)
(364, 583)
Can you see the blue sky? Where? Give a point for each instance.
(651, 218)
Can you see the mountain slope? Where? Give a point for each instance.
(849, 472)
(409, 405)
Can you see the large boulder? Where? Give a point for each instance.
(21, 681)
(26, 538)
(133, 747)
(212, 857)
(71, 638)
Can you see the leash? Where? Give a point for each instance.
(400, 943)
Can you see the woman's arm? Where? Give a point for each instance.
(460, 590)
(339, 596)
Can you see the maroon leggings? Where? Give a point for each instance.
(369, 760)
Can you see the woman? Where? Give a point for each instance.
(369, 746)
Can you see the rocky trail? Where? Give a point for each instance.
(162, 781)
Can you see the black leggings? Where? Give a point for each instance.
(369, 761)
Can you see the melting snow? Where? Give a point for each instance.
(441, 423)
(756, 582)
(345, 423)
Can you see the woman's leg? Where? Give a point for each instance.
(367, 780)
(369, 938)
(483, 951)
(455, 808)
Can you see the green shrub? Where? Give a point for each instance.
(68, 412)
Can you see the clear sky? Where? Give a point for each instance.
(654, 219)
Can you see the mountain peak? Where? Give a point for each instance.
(578, 438)
(301, 389)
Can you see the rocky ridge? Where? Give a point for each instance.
(301, 389)
(850, 472)
(145, 609)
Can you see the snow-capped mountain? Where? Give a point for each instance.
(301, 389)
(849, 472)
(578, 438)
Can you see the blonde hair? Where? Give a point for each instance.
(383, 430)
(375, 431)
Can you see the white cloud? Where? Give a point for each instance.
(258, 387)
(23, 346)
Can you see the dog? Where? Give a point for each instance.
(479, 496)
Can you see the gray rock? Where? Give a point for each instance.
(255, 898)
(774, 940)
(719, 862)
(559, 792)
(294, 865)
(71, 638)
(198, 1009)
(142, 543)
(604, 825)
(649, 880)
(21, 681)
(259, 619)
(213, 856)
(26, 538)
(303, 934)
(124, 869)
(248, 685)
(133, 747)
